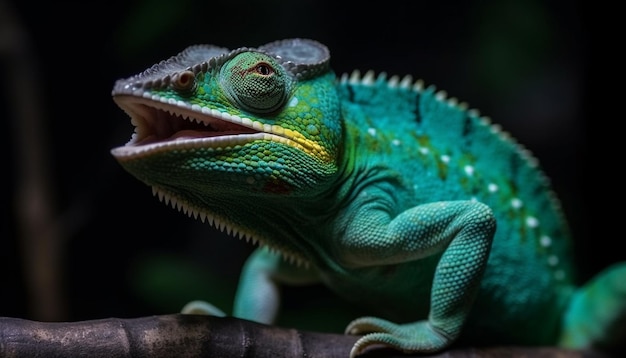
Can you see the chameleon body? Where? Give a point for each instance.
(389, 192)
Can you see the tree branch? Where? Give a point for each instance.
(180, 336)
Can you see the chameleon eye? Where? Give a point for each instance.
(264, 69)
(255, 82)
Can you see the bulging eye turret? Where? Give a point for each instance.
(255, 82)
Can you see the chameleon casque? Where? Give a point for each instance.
(387, 191)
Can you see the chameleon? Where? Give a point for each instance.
(391, 193)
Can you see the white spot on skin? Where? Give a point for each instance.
(516, 203)
(492, 188)
(396, 142)
(469, 170)
(372, 131)
(532, 221)
(423, 150)
(445, 158)
(545, 241)
(293, 102)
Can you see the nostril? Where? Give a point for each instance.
(183, 81)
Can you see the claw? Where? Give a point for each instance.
(371, 339)
(369, 324)
(202, 308)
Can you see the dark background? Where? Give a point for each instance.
(121, 253)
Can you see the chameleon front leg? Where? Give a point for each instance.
(462, 230)
(257, 298)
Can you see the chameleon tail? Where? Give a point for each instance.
(596, 316)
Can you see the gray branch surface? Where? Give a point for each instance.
(180, 336)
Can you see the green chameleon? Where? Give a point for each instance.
(388, 192)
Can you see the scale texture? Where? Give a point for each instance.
(389, 192)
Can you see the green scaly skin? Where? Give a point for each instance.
(390, 193)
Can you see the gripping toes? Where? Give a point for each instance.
(415, 337)
(202, 308)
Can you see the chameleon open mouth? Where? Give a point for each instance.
(160, 125)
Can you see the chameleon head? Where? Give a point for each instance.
(210, 122)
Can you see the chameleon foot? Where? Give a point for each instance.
(202, 308)
(410, 338)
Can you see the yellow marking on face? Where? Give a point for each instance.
(309, 146)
